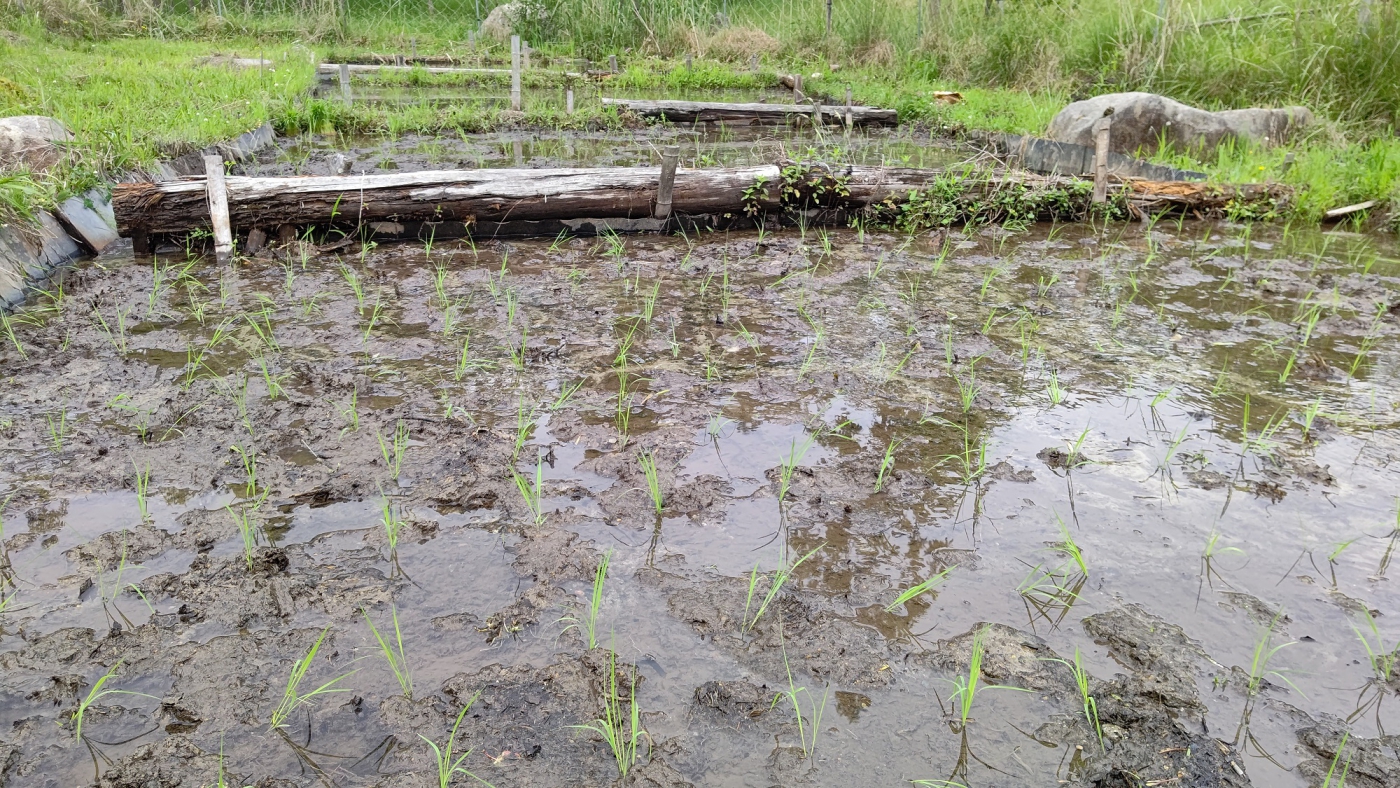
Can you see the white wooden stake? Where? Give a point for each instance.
(569, 101)
(216, 191)
(515, 73)
(1101, 156)
(345, 82)
(848, 107)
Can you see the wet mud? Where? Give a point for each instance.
(1160, 454)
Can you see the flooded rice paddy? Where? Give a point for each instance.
(1163, 452)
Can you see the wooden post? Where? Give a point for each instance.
(569, 101)
(670, 155)
(753, 63)
(1101, 156)
(345, 82)
(828, 17)
(515, 73)
(688, 65)
(797, 88)
(848, 108)
(216, 193)
(612, 63)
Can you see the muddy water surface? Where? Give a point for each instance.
(1168, 450)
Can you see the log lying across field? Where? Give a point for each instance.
(700, 111)
(529, 201)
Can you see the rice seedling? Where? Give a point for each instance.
(968, 388)
(1081, 682)
(1056, 391)
(393, 449)
(621, 731)
(350, 412)
(143, 485)
(264, 330)
(775, 585)
(967, 687)
(247, 526)
(393, 524)
(588, 624)
(518, 354)
(117, 338)
(496, 284)
(918, 589)
(1263, 443)
(648, 463)
(465, 362)
(990, 274)
(972, 460)
(809, 725)
(355, 283)
(292, 697)
(649, 302)
(524, 425)
(8, 324)
(1069, 547)
(272, 381)
(1332, 768)
(1043, 285)
(614, 247)
(393, 651)
(448, 766)
(1164, 465)
(249, 459)
(789, 463)
(58, 429)
(886, 464)
(559, 240)
(532, 493)
(95, 693)
(158, 275)
(376, 314)
(818, 336)
(1264, 652)
(512, 302)
(566, 393)
(1383, 659)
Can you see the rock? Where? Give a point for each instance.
(89, 220)
(32, 142)
(499, 22)
(1142, 120)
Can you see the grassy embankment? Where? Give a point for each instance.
(136, 91)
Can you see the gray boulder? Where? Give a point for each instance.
(500, 21)
(1142, 120)
(31, 141)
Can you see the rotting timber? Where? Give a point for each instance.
(706, 111)
(451, 203)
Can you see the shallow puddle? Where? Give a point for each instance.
(1157, 447)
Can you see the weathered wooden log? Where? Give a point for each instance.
(697, 111)
(463, 195)
(329, 70)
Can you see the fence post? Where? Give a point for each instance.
(848, 108)
(670, 155)
(828, 17)
(515, 73)
(612, 63)
(569, 101)
(797, 88)
(217, 194)
(345, 82)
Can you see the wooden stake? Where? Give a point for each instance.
(797, 88)
(753, 63)
(515, 73)
(670, 156)
(345, 82)
(569, 101)
(848, 107)
(817, 113)
(216, 193)
(1101, 156)
(612, 63)
(828, 17)
(688, 65)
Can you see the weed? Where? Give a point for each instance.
(775, 585)
(915, 590)
(393, 652)
(292, 699)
